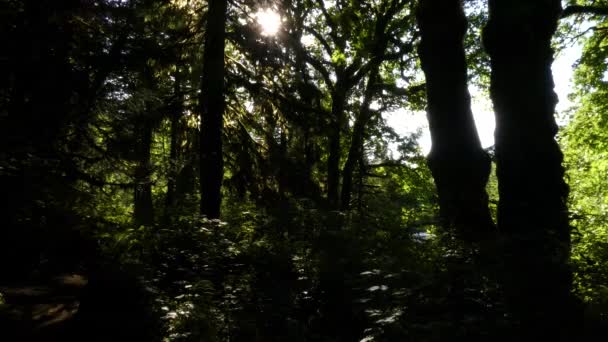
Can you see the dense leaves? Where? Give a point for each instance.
(585, 143)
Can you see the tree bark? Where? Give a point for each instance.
(457, 161)
(532, 212)
(212, 110)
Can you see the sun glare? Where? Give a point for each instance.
(269, 20)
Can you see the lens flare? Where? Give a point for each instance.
(269, 21)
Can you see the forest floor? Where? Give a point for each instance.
(32, 309)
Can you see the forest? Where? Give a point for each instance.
(226, 171)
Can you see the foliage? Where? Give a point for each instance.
(99, 136)
(585, 143)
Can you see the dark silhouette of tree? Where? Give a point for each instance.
(378, 41)
(212, 105)
(532, 212)
(581, 9)
(459, 165)
(176, 138)
(143, 210)
(355, 153)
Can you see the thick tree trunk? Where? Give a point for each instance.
(212, 110)
(532, 213)
(457, 161)
(356, 146)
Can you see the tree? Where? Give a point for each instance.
(143, 211)
(212, 110)
(176, 138)
(351, 45)
(532, 212)
(459, 165)
(355, 153)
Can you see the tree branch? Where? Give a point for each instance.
(316, 64)
(320, 38)
(579, 9)
(393, 89)
(331, 23)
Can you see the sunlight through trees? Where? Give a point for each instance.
(214, 170)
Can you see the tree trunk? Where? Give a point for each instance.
(185, 182)
(212, 110)
(457, 161)
(356, 146)
(143, 213)
(174, 148)
(532, 213)
(333, 160)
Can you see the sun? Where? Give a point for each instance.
(269, 20)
